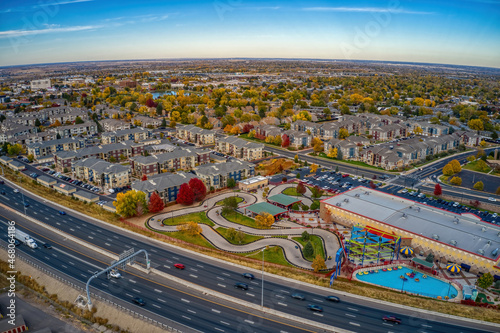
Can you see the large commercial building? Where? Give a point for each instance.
(461, 238)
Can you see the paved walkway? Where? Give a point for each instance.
(273, 237)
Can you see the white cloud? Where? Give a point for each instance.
(364, 10)
(48, 30)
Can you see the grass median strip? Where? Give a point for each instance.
(234, 239)
(199, 217)
(239, 218)
(272, 254)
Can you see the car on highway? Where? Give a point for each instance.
(2, 182)
(26, 204)
(332, 298)
(241, 285)
(248, 276)
(115, 274)
(138, 301)
(314, 307)
(392, 319)
(492, 199)
(2, 192)
(16, 190)
(62, 212)
(179, 266)
(47, 246)
(298, 296)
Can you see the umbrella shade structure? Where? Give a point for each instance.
(454, 268)
(407, 251)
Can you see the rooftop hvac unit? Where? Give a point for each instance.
(338, 204)
(483, 229)
(357, 195)
(494, 252)
(404, 215)
(453, 242)
(436, 237)
(488, 242)
(418, 209)
(480, 251)
(455, 220)
(367, 193)
(346, 200)
(411, 207)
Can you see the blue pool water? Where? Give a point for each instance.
(430, 287)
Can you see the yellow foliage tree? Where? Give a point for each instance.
(448, 170)
(332, 153)
(264, 220)
(456, 166)
(318, 263)
(190, 228)
(343, 133)
(314, 168)
(476, 124)
(175, 116)
(235, 130)
(228, 128)
(277, 140)
(269, 139)
(418, 130)
(456, 181)
(252, 133)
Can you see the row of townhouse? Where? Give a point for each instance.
(14, 132)
(110, 125)
(135, 134)
(239, 148)
(195, 135)
(111, 152)
(103, 174)
(46, 148)
(147, 122)
(167, 185)
(427, 129)
(66, 131)
(178, 159)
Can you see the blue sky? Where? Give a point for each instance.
(449, 32)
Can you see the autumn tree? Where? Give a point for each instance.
(476, 124)
(296, 158)
(498, 190)
(191, 228)
(317, 144)
(456, 166)
(285, 142)
(343, 133)
(300, 189)
(185, 195)
(479, 186)
(264, 220)
(482, 166)
(251, 134)
(448, 170)
(314, 168)
(14, 150)
(438, 190)
(199, 189)
(144, 177)
(456, 181)
(235, 130)
(318, 263)
(155, 203)
(228, 128)
(130, 203)
(332, 153)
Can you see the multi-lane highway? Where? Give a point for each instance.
(351, 313)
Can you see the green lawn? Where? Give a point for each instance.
(199, 217)
(358, 163)
(474, 167)
(240, 219)
(246, 240)
(292, 191)
(316, 243)
(273, 255)
(238, 200)
(198, 240)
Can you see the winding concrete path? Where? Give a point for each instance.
(273, 237)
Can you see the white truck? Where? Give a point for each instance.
(26, 239)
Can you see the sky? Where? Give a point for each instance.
(448, 32)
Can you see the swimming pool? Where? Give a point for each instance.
(430, 286)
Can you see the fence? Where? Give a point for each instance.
(96, 296)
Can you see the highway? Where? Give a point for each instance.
(351, 313)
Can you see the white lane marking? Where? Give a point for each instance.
(54, 255)
(318, 314)
(250, 294)
(64, 266)
(201, 266)
(158, 291)
(35, 213)
(131, 281)
(109, 239)
(71, 229)
(185, 300)
(194, 269)
(156, 306)
(129, 295)
(170, 261)
(137, 291)
(47, 218)
(93, 233)
(189, 310)
(280, 296)
(218, 329)
(186, 317)
(115, 237)
(91, 272)
(161, 300)
(107, 244)
(249, 321)
(350, 315)
(317, 300)
(424, 325)
(355, 324)
(221, 285)
(91, 237)
(153, 250)
(47, 258)
(223, 322)
(78, 227)
(282, 304)
(134, 243)
(226, 274)
(256, 283)
(58, 223)
(220, 278)
(173, 257)
(83, 275)
(193, 275)
(353, 309)
(104, 284)
(71, 263)
(216, 311)
(284, 291)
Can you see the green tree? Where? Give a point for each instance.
(190, 228)
(231, 183)
(15, 149)
(239, 237)
(78, 120)
(127, 204)
(295, 206)
(479, 186)
(229, 205)
(308, 250)
(231, 233)
(305, 236)
(315, 205)
(296, 159)
(430, 257)
(318, 263)
(485, 281)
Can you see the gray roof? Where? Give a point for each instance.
(85, 194)
(466, 231)
(46, 179)
(54, 142)
(240, 143)
(162, 181)
(125, 131)
(101, 166)
(222, 168)
(161, 158)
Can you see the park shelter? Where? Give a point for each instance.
(283, 200)
(265, 207)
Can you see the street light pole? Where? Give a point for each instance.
(24, 203)
(262, 283)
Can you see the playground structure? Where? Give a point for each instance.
(372, 245)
